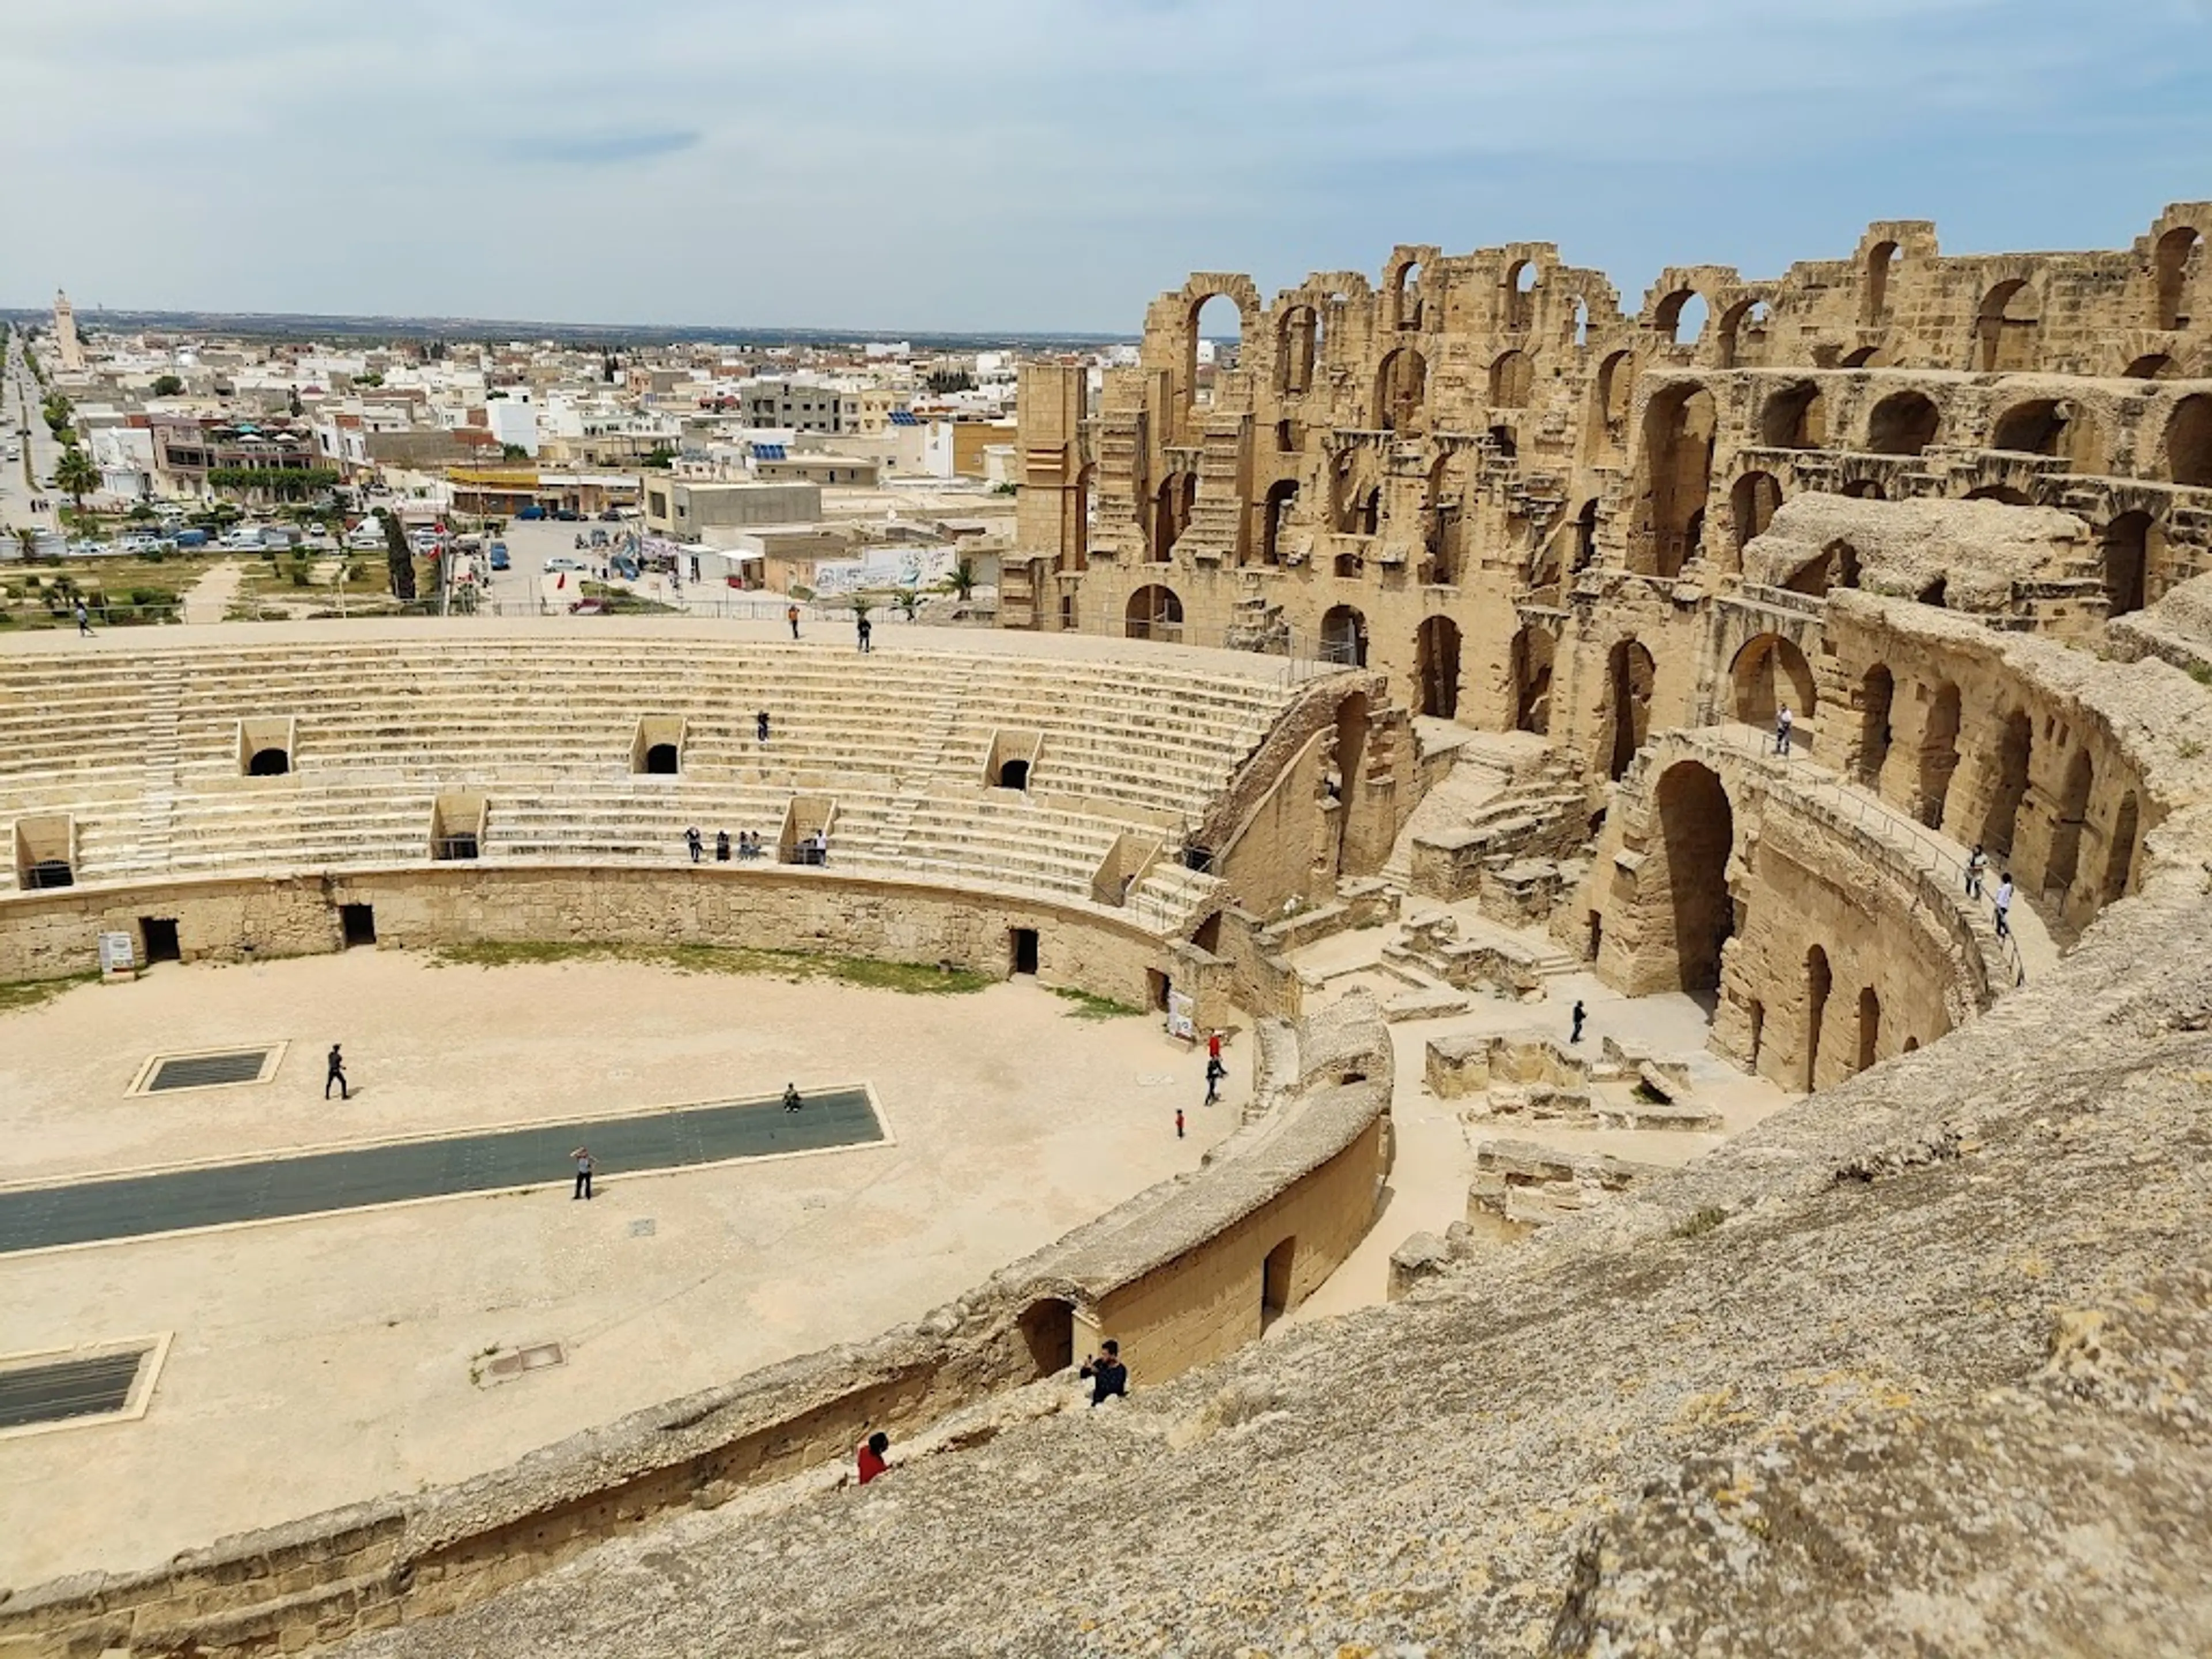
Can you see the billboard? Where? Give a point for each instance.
(882, 568)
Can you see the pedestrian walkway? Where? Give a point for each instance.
(2032, 951)
(270, 1189)
(209, 599)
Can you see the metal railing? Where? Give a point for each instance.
(1865, 812)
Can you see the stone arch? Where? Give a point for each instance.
(1172, 506)
(1154, 612)
(2002, 494)
(1752, 314)
(1630, 674)
(1678, 463)
(1882, 260)
(1939, 753)
(1298, 350)
(1344, 635)
(1752, 503)
(2126, 545)
(1435, 667)
(2004, 328)
(1281, 502)
(1684, 308)
(1877, 693)
(2063, 861)
(275, 763)
(1407, 299)
(1246, 309)
(1401, 390)
(1865, 489)
(1903, 424)
(2170, 276)
(1616, 392)
(1520, 284)
(1819, 982)
(1512, 379)
(2016, 747)
(1796, 417)
(2151, 366)
(1768, 672)
(1869, 1028)
(2049, 426)
(2120, 852)
(1586, 534)
(2188, 441)
(1696, 839)
(1533, 651)
(1863, 357)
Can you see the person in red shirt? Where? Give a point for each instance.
(871, 1455)
(1213, 1046)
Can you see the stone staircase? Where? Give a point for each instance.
(939, 727)
(163, 758)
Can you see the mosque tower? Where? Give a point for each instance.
(72, 355)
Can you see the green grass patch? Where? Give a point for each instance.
(25, 994)
(917, 977)
(1088, 1006)
(1700, 1224)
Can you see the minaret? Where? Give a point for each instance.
(72, 355)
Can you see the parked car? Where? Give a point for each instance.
(321, 540)
(562, 561)
(612, 515)
(365, 536)
(531, 513)
(567, 515)
(190, 538)
(499, 559)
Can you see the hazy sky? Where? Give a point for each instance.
(1041, 164)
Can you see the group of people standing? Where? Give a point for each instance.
(1977, 869)
(748, 845)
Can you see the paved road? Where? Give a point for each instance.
(19, 407)
(43, 1218)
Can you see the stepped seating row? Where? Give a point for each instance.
(144, 756)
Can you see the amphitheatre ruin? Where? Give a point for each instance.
(1378, 696)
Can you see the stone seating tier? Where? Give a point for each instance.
(144, 754)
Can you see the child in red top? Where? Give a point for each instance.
(871, 1455)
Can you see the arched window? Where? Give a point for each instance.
(1680, 316)
(1217, 336)
(1677, 462)
(2188, 441)
(1903, 424)
(1794, 417)
(1401, 390)
(1344, 636)
(2005, 329)
(1154, 612)
(1435, 667)
(1297, 348)
(2170, 266)
(1512, 378)
(1405, 297)
(1753, 504)
(1882, 260)
(1282, 500)
(1520, 297)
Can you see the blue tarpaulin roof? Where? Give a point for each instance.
(768, 452)
(905, 417)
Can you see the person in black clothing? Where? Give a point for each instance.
(1215, 1071)
(760, 725)
(336, 1075)
(791, 1102)
(1577, 1035)
(722, 846)
(1108, 1376)
(691, 840)
(866, 631)
(584, 1166)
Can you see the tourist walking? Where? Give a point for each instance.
(791, 1100)
(1215, 1071)
(872, 1459)
(2004, 906)
(1782, 724)
(867, 630)
(722, 846)
(760, 725)
(1179, 1123)
(1213, 1044)
(692, 841)
(1576, 1035)
(337, 1074)
(584, 1166)
(1978, 865)
(791, 616)
(83, 620)
(1108, 1376)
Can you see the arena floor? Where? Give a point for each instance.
(313, 1362)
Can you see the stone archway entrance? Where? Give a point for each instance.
(1629, 673)
(1697, 833)
(1768, 672)
(1533, 651)
(1435, 666)
(1154, 613)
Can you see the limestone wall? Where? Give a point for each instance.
(1164, 1272)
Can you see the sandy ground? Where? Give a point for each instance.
(320, 1361)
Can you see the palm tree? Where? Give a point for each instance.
(398, 557)
(961, 579)
(75, 475)
(908, 599)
